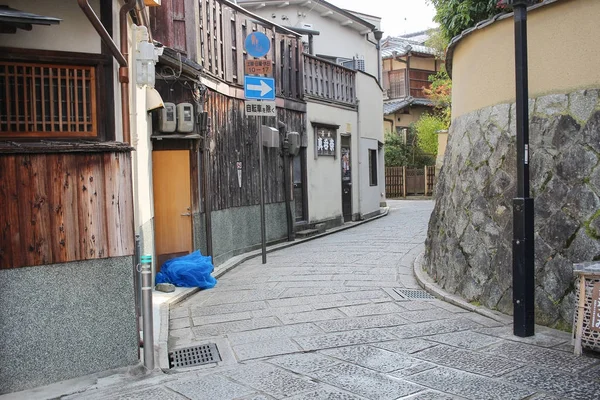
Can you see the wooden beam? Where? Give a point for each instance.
(327, 13)
(346, 23)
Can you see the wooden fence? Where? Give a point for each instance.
(403, 181)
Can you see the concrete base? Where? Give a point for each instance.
(66, 320)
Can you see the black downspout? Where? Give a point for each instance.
(286, 180)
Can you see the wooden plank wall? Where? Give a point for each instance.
(57, 208)
(234, 138)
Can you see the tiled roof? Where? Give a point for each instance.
(392, 106)
(398, 46)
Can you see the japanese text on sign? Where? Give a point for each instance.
(261, 108)
(259, 67)
(325, 142)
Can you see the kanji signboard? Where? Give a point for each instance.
(261, 108)
(259, 67)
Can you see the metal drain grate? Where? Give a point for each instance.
(412, 294)
(197, 355)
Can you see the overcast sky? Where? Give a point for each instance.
(398, 16)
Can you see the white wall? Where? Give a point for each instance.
(334, 39)
(325, 172)
(74, 33)
(371, 131)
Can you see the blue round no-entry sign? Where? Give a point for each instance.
(257, 44)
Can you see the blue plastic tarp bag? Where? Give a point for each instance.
(192, 270)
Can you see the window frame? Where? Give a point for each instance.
(104, 90)
(373, 173)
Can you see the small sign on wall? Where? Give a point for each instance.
(326, 142)
(595, 311)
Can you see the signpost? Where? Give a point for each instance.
(260, 101)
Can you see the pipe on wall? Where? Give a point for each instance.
(120, 55)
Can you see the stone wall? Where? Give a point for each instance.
(469, 245)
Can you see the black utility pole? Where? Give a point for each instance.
(523, 251)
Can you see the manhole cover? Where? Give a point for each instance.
(411, 294)
(197, 355)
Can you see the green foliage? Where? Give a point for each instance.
(438, 41)
(454, 16)
(398, 153)
(427, 127)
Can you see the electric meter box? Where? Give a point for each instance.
(167, 118)
(294, 143)
(185, 118)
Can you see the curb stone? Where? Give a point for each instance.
(431, 287)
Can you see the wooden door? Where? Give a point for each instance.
(172, 204)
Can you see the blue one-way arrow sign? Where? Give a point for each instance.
(259, 88)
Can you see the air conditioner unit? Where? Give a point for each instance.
(270, 136)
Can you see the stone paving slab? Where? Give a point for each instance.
(406, 345)
(432, 328)
(367, 383)
(220, 318)
(469, 361)
(567, 385)
(542, 357)
(197, 311)
(435, 314)
(250, 351)
(157, 393)
(311, 316)
(431, 395)
(303, 363)
(371, 309)
(214, 387)
(326, 393)
(271, 380)
(466, 340)
(236, 326)
(348, 324)
(373, 358)
(542, 337)
(332, 340)
(278, 332)
(469, 385)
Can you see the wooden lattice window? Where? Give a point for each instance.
(46, 100)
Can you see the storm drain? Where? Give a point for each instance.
(191, 356)
(413, 294)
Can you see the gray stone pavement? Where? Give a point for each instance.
(322, 320)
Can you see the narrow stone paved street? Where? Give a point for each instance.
(327, 319)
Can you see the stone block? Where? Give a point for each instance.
(366, 383)
(214, 387)
(582, 103)
(333, 340)
(303, 363)
(465, 340)
(268, 379)
(269, 348)
(348, 324)
(468, 385)
(468, 361)
(566, 385)
(373, 358)
(272, 333)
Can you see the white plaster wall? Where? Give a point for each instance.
(325, 172)
(370, 195)
(74, 33)
(371, 131)
(334, 39)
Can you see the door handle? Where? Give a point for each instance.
(186, 214)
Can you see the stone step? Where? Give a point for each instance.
(307, 233)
